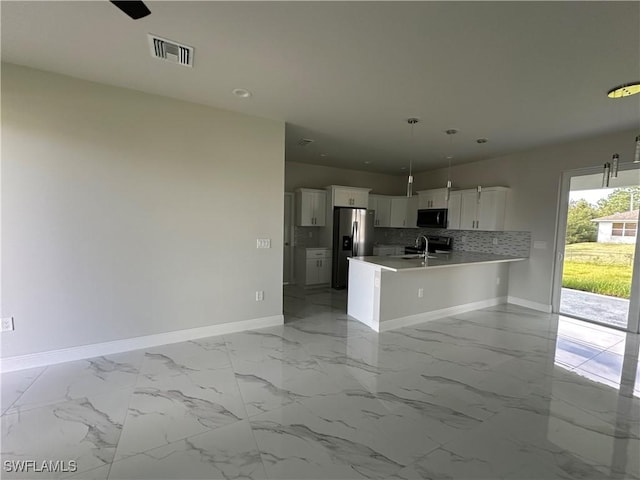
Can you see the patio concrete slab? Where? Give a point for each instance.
(592, 306)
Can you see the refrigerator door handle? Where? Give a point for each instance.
(354, 239)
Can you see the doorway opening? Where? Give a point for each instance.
(288, 235)
(597, 260)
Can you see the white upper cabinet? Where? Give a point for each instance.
(349, 196)
(473, 210)
(382, 206)
(404, 212)
(468, 210)
(454, 210)
(492, 208)
(435, 198)
(310, 207)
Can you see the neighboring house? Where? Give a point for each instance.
(618, 228)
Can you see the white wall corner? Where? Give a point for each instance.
(541, 307)
(52, 357)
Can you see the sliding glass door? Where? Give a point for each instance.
(596, 270)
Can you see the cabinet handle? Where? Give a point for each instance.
(477, 223)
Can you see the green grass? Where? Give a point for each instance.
(603, 268)
(600, 253)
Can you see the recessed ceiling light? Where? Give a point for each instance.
(482, 140)
(323, 154)
(367, 162)
(403, 168)
(624, 90)
(241, 92)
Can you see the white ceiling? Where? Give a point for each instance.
(348, 74)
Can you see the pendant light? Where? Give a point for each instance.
(451, 132)
(411, 121)
(611, 168)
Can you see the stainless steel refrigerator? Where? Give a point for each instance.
(352, 237)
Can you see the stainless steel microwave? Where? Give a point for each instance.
(432, 218)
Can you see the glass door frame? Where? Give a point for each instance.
(633, 320)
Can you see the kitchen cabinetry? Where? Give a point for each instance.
(478, 210)
(382, 206)
(404, 212)
(435, 198)
(310, 207)
(313, 266)
(349, 196)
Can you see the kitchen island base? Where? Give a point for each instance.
(384, 299)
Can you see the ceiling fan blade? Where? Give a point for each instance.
(135, 9)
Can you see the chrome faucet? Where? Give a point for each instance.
(426, 245)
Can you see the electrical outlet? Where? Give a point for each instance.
(464, 239)
(263, 243)
(259, 295)
(495, 241)
(497, 280)
(7, 324)
(540, 245)
(420, 292)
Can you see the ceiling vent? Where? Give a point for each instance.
(170, 51)
(303, 142)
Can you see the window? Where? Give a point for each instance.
(624, 229)
(618, 229)
(630, 229)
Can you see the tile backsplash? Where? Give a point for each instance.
(307, 237)
(508, 243)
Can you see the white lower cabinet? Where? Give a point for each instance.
(313, 266)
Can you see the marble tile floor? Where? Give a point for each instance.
(499, 393)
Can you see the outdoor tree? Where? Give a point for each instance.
(620, 200)
(580, 228)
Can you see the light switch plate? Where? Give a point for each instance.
(540, 245)
(7, 324)
(263, 243)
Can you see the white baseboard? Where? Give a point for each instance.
(436, 314)
(52, 357)
(541, 307)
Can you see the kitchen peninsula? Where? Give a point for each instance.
(391, 292)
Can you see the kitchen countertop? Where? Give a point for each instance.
(435, 260)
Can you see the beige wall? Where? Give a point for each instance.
(126, 214)
(299, 175)
(534, 178)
